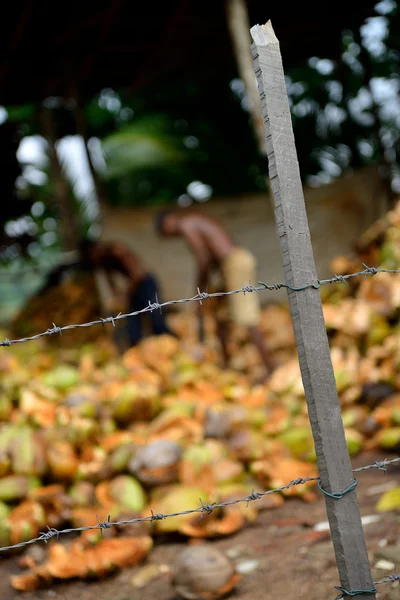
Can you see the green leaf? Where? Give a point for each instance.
(20, 113)
(143, 145)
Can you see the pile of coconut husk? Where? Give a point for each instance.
(88, 432)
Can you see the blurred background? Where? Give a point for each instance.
(107, 114)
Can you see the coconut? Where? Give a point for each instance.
(203, 573)
(156, 463)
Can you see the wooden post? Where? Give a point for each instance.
(307, 317)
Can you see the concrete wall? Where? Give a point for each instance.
(338, 214)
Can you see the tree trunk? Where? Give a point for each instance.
(239, 28)
(384, 163)
(81, 129)
(62, 199)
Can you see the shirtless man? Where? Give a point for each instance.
(114, 258)
(213, 247)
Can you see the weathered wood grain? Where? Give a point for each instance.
(306, 310)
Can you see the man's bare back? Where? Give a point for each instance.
(217, 241)
(206, 237)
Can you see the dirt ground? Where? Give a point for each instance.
(286, 557)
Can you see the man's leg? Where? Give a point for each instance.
(257, 339)
(222, 331)
(134, 324)
(148, 291)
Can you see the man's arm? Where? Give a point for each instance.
(202, 255)
(110, 281)
(114, 300)
(131, 264)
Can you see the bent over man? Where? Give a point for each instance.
(214, 248)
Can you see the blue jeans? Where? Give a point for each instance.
(146, 291)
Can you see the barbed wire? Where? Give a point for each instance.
(378, 464)
(389, 579)
(52, 532)
(199, 297)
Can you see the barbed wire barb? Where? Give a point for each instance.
(199, 297)
(389, 579)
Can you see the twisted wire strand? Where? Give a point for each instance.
(203, 508)
(199, 297)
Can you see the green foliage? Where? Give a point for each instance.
(141, 145)
(191, 129)
(20, 113)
